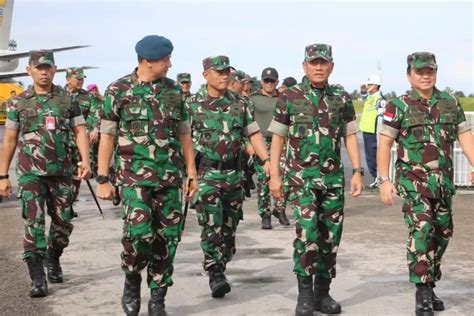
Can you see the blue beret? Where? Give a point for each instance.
(153, 47)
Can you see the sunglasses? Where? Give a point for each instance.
(269, 80)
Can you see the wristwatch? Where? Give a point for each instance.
(359, 170)
(382, 179)
(5, 176)
(102, 179)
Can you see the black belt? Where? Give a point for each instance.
(218, 165)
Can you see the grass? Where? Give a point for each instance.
(466, 103)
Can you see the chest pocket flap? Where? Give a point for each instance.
(135, 117)
(29, 120)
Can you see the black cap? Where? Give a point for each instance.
(289, 82)
(269, 73)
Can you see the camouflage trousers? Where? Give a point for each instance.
(94, 150)
(152, 226)
(263, 191)
(219, 210)
(76, 182)
(319, 217)
(430, 225)
(35, 191)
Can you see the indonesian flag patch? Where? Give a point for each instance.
(387, 116)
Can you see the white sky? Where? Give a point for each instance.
(255, 34)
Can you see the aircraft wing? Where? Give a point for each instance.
(16, 55)
(9, 75)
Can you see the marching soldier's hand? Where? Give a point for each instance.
(249, 149)
(356, 184)
(5, 188)
(105, 191)
(93, 137)
(266, 168)
(276, 188)
(190, 188)
(387, 189)
(84, 171)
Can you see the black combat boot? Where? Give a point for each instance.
(281, 217)
(218, 282)
(131, 294)
(266, 221)
(39, 286)
(156, 304)
(424, 306)
(55, 273)
(438, 304)
(305, 305)
(323, 302)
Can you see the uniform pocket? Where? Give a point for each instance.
(29, 120)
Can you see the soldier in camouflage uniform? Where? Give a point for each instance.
(313, 116)
(264, 101)
(93, 124)
(220, 121)
(75, 80)
(41, 121)
(236, 85)
(236, 82)
(184, 81)
(425, 123)
(145, 111)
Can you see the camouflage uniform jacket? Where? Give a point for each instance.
(314, 121)
(425, 131)
(219, 125)
(45, 125)
(93, 119)
(82, 97)
(148, 119)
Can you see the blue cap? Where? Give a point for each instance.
(153, 47)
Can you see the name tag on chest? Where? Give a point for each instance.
(50, 122)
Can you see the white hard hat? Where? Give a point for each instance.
(374, 79)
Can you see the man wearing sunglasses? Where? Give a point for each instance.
(265, 100)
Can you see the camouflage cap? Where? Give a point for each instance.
(75, 72)
(217, 63)
(41, 57)
(183, 77)
(247, 79)
(421, 60)
(315, 51)
(237, 75)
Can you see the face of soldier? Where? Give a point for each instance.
(42, 75)
(236, 86)
(74, 83)
(217, 79)
(159, 68)
(282, 88)
(269, 85)
(318, 71)
(185, 86)
(247, 87)
(422, 79)
(95, 93)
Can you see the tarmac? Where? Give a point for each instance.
(372, 276)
